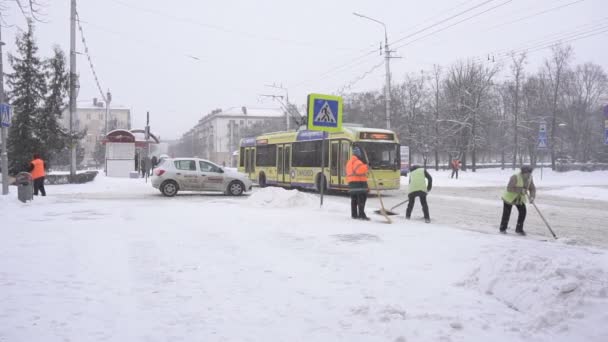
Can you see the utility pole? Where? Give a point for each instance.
(108, 100)
(387, 57)
(72, 89)
(4, 130)
(387, 89)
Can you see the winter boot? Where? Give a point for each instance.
(519, 229)
(427, 220)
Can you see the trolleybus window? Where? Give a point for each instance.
(384, 156)
(308, 154)
(266, 155)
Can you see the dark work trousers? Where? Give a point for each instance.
(506, 214)
(39, 185)
(357, 205)
(410, 205)
(455, 172)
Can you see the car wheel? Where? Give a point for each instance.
(169, 188)
(262, 180)
(236, 188)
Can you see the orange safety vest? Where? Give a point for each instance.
(356, 170)
(38, 170)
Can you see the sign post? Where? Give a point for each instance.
(542, 142)
(5, 122)
(324, 114)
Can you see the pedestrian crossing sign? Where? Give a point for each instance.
(324, 113)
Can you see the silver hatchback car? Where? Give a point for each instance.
(193, 174)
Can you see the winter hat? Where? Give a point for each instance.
(357, 151)
(526, 169)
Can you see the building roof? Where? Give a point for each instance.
(249, 111)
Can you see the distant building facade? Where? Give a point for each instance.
(217, 135)
(93, 119)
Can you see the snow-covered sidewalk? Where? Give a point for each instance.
(115, 261)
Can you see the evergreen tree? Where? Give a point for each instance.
(53, 137)
(27, 89)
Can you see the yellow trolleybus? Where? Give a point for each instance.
(293, 159)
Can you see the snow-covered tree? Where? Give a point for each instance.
(27, 86)
(53, 136)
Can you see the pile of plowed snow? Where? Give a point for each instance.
(553, 290)
(282, 198)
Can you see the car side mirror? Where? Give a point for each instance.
(220, 170)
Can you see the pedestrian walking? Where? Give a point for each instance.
(420, 184)
(38, 174)
(153, 163)
(356, 177)
(519, 188)
(455, 164)
(143, 164)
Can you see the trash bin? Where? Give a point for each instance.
(25, 187)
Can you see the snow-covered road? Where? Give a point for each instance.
(116, 261)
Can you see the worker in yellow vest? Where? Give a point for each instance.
(520, 187)
(421, 182)
(38, 173)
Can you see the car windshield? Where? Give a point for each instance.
(382, 156)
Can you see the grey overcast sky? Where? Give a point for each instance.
(181, 59)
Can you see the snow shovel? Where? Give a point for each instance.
(544, 220)
(539, 213)
(383, 211)
(391, 212)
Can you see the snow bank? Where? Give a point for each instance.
(554, 290)
(282, 198)
(592, 193)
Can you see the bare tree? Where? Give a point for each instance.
(555, 68)
(517, 70)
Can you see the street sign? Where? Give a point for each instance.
(606, 111)
(542, 135)
(324, 113)
(606, 132)
(5, 115)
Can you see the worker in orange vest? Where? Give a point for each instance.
(356, 177)
(37, 171)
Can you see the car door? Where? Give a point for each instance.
(212, 177)
(187, 175)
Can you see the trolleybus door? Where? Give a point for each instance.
(337, 163)
(283, 163)
(248, 161)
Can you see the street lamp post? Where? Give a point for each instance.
(387, 57)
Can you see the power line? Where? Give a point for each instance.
(138, 40)
(535, 14)
(350, 84)
(225, 29)
(356, 61)
(549, 39)
(86, 50)
(454, 24)
(560, 34)
(546, 45)
(443, 21)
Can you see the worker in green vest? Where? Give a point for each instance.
(519, 188)
(418, 187)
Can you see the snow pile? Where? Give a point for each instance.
(282, 198)
(552, 291)
(592, 193)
